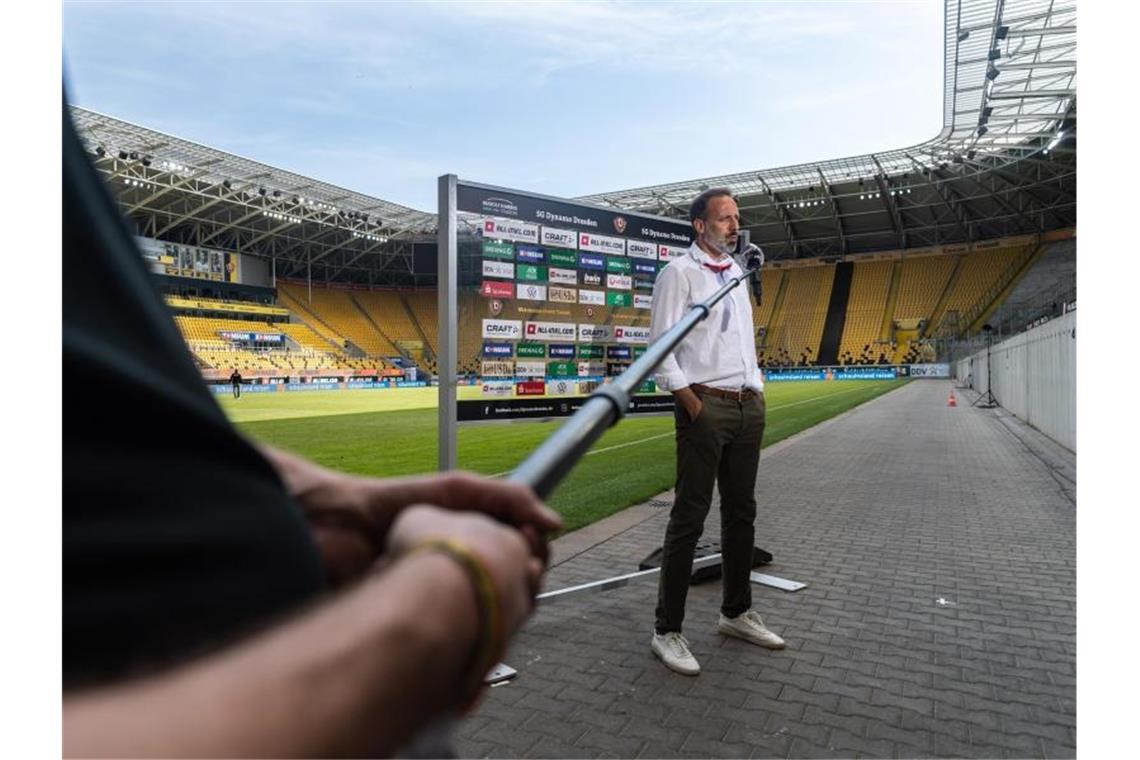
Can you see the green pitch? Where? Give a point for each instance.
(393, 432)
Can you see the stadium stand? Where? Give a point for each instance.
(921, 282)
(345, 318)
(422, 307)
(895, 308)
(870, 287)
(207, 330)
(295, 297)
(388, 317)
(797, 319)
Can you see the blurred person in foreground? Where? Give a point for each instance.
(225, 599)
(719, 416)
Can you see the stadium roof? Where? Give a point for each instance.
(1004, 163)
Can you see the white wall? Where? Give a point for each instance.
(1034, 376)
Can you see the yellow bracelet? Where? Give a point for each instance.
(490, 637)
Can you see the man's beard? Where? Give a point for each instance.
(720, 245)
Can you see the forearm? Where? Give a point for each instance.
(359, 674)
(299, 474)
(378, 499)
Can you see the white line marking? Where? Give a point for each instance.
(628, 443)
(663, 435)
(816, 398)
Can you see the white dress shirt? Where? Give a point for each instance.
(721, 350)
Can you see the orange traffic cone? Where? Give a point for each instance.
(952, 401)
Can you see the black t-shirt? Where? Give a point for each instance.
(178, 536)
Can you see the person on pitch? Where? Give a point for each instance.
(719, 415)
(235, 378)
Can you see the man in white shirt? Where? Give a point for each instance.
(719, 414)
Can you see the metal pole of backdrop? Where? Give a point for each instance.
(447, 279)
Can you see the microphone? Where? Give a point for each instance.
(750, 257)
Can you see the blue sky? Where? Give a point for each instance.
(562, 99)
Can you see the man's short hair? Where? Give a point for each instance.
(700, 205)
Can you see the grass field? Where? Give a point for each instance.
(393, 432)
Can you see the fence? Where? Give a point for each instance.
(1033, 375)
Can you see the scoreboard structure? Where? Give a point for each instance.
(554, 272)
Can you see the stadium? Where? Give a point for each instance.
(915, 323)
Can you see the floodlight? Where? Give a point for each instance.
(1001, 33)
(122, 155)
(276, 193)
(995, 54)
(982, 130)
(100, 152)
(261, 191)
(992, 73)
(963, 35)
(227, 184)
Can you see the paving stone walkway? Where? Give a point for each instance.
(938, 545)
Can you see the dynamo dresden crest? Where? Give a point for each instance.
(496, 306)
(619, 224)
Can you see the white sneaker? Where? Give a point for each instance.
(750, 627)
(673, 650)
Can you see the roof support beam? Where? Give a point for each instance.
(188, 215)
(245, 218)
(889, 204)
(1035, 95)
(834, 208)
(315, 239)
(339, 246)
(1034, 226)
(956, 211)
(782, 215)
(183, 182)
(1025, 187)
(1042, 31)
(230, 195)
(272, 232)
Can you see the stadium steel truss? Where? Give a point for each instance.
(1003, 164)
